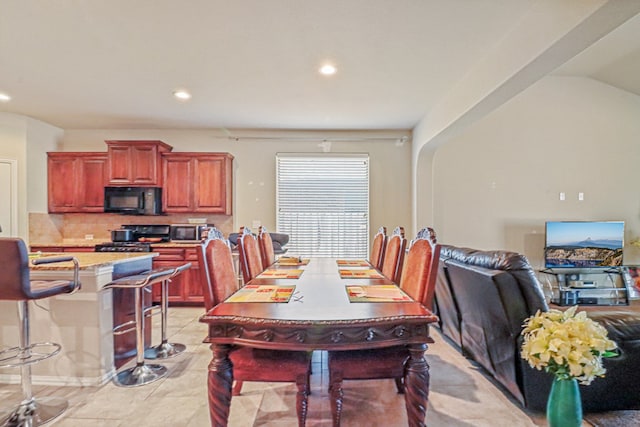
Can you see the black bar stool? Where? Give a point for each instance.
(142, 373)
(166, 349)
(16, 285)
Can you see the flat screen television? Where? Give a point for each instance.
(583, 244)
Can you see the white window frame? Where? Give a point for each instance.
(322, 202)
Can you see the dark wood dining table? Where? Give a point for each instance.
(319, 316)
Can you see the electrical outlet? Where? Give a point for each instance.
(88, 236)
(562, 195)
(581, 196)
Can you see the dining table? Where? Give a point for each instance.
(315, 308)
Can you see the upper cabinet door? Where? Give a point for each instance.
(92, 177)
(197, 182)
(136, 163)
(213, 184)
(178, 188)
(62, 182)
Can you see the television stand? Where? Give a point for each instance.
(586, 286)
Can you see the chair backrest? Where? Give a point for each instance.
(394, 255)
(267, 254)
(378, 247)
(249, 252)
(217, 273)
(420, 268)
(14, 280)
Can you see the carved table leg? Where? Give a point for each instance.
(302, 399)
(219, 383)
(336, 395)
(416, 384)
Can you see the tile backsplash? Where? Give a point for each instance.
(47, 228)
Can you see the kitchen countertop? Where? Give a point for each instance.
(84, 243)
(75, 243)
(87, 260)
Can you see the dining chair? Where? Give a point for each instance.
(267, 254)
(249, 254)
(250, 364)
(394, 255)
(378, 247)
(418, 281)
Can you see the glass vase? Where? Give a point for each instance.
(564, 407)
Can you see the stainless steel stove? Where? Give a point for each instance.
(123, 247)
(135, 239)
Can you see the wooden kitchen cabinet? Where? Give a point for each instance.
(193, 284)
(75, 181)
(185, 288)
(197, 182)
(135, 163)
(46, 249)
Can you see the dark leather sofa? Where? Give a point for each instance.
(482, 299)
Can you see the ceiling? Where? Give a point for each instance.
(614, 59)
(114, 64)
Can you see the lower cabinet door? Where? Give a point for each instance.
(184, 288)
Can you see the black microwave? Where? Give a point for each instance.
(133, 200)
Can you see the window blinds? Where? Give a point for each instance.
(323, 204)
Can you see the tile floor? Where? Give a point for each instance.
(460, 396)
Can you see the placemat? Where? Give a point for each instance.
(281, 274)
(376, 293)
(292, 261)
(369, 273)
(353, 263)
(263, 293)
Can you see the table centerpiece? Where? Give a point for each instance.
(571, 346)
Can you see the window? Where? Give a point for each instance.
(323, 204)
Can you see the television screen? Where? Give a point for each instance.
(584, 244)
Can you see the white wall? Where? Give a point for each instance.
(497, 183)
(26, 141)
(254, 165)
(41, 138)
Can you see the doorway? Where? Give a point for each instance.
(9, 197)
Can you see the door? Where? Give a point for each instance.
(8, 193)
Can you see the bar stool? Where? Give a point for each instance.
(142, 373)
(16, 285)
(166, 349)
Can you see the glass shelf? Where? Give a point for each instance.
(606, 286)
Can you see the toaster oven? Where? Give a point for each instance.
(188, 232)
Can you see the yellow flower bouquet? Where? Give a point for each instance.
(567, 344)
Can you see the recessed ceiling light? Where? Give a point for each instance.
(4, 97)
(182, 94)
(328, 69)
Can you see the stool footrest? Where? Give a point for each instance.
(152, 310)
(16, 356)
(131, 324)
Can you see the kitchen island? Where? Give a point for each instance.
(81, 322)
(186, 289)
